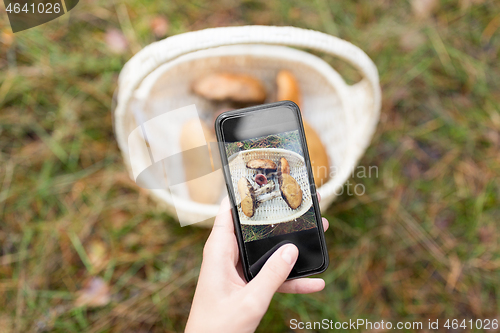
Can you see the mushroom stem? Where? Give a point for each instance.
(272, 174)
(265, 189)
(268, 175)
(268, 196)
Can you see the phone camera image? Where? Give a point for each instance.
(271, 185)
(267, 171)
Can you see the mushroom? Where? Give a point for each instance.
(240, 88)
(290, 190)
(265, 189)
(263, 165)
(265, 170)
(288, 87)
(247, 195)
(261, 179)
(283, 166)
(251, 198)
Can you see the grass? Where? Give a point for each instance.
(256, 232)
(422, 243)
(287, 140)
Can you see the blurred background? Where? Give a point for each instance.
(83, 249)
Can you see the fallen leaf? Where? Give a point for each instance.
(486, 234)
(95, 293)
(6, 323)
(77, 189)
(117, 218)
(7, 37)
(98, 254)
(411, 40)
(159, 26)
(116, 41)
(423, 9)
(465, 4)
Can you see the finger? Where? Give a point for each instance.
(325, 224)
(221, 244)
(224, 220)
(273, 274)
(223, 225)
(319, 196)
(302, 286)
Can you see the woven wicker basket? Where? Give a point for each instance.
(159, 78)
(273, 211)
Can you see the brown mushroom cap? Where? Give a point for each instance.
(235, 87)
(283, 166)
(247, 195)
(262, 164)
(288, 87)
(290, 191)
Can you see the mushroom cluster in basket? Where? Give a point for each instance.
(229, 91)
(270, 182)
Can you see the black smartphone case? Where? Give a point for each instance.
(227, 177)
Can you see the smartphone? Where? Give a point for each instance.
(270, 185)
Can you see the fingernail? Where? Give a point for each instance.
(289, 254)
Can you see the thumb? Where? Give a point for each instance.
(274, 273)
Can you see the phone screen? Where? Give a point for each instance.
(268, 174)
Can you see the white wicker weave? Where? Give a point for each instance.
(158, 79)
(276, 210)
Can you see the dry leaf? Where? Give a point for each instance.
(159, 26)
(465, 4)
(118, 218)
(410, 40)
(7, 37)
(77, 189)
(6, 322)
(98, 254)
(424, 8)
(228, 86)
(486, 234)
(95, 293)
(116, 41)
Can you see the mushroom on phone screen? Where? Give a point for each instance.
(265, 170)
(262, 165)
(247, 195)
(283, 166)
(261, 179)
(251, 198)
(290, 191)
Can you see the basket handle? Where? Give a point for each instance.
(364, 94)
(170, 48)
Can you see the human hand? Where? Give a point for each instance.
(224, 301)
